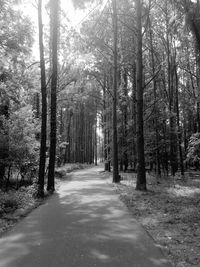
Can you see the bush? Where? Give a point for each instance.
(193, 151)
(23, 146)
(11, 203)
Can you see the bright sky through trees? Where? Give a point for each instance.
(75, 17)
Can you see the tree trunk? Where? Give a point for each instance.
(4, 137)
(141, 175)
(155, 122)
(54, 20)
(116, 177)
(134, 115)
(104, 126)
(125, 119)
(95, 136)
(178, 125)
(36, 97)
(43, 137)
(172, 120)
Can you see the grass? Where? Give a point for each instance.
(170, 212)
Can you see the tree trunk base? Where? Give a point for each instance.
(40, 193)
(50, 190)
(141, 187)
(117, 180)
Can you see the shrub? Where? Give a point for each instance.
(193, 151)
(23, 146)
(10, 202)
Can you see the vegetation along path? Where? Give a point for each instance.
(83, 224)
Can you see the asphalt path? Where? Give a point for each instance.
(84, 224)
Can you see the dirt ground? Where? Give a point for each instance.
(170, 212)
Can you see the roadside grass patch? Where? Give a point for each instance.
(170, 212)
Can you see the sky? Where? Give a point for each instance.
(29, 8)
(75, 16)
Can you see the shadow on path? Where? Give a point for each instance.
(84, 224)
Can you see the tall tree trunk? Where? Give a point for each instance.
(198, 84)
(155, 122)
(171, 94)
(178, 125)
(68, 139)
(54, 5)
(172, 121)
(116, 177)
(141, 175)
(134, 115)
(95, 136)
(4, 136)
(43, 137)
(104, 126)
(125, 119)
(36, 98)
(109, 122)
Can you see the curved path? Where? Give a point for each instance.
(84, 224)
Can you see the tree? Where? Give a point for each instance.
(43, 136)
(141, 175)
(116, 177)
(54, 10)
(193, 152)
(15, 44)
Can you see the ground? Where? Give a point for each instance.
(14, 205)
(170, 212)
(83, 224)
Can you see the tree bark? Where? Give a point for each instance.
(105, 144)
(134, 115)
(141, 175)
(155, 122)
(4, 137)
(178, 125)
(125, 119)
(43, 137)
(54, 5)
(95, 136)
(116, 177)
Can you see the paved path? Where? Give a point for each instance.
(83, 225)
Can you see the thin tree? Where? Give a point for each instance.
(54, 8)
(141, 175)
(116, 178)
(44, 106)
(155, 122)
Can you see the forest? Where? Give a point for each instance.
(120, 88)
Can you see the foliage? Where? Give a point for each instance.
(81, 3)
(9, 203)
(193, 151)
(16, 39)
(14, 204)
(23, 146)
